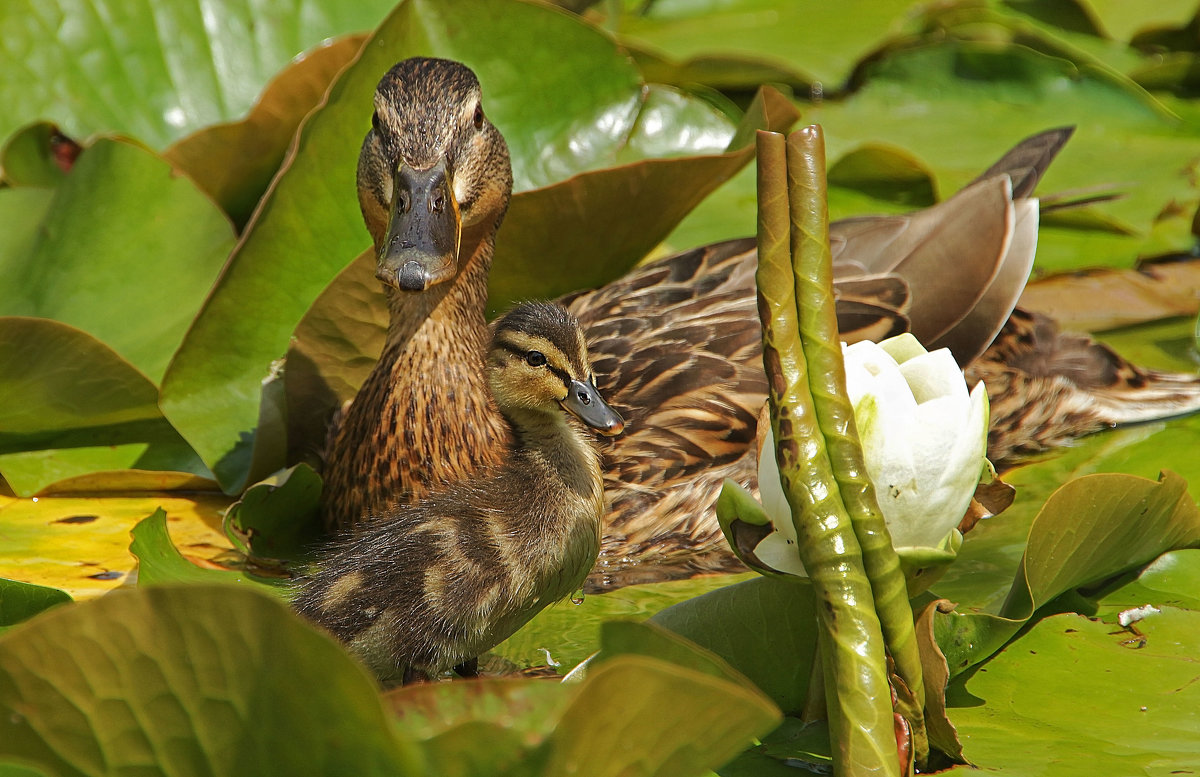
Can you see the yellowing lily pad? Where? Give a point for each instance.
(81, 544)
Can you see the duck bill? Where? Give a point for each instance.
(585, 403)
(424, 230)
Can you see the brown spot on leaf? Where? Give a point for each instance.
(78, 519)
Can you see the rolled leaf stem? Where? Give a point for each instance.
(858, 698)
(813, 266)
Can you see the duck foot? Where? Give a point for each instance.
(469, 668)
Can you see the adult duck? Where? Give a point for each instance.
(675, 343)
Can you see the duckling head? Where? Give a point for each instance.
(431, 166)
(538, 362)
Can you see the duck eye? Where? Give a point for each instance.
(478, 116)
(535, 358)
(375, 121)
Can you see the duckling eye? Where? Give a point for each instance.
(375, 121)
(478, 116)
(535, 358)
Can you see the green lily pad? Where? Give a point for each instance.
(20, 770)
(424, 710)
(565, 634)
(633, 714)
(763, 627)
(618, 638)
(742, 43)
(1171, 580)
(457, 728)
(22, 209)
(157, 70)
(234, 162)
(189, 680)
(640, 715)
(28, 158)
(1080, 702)
(113, 232)
(70, 406)
(1062, 29)
(615, 216)
(1125, 140)
(1092, 528)
(279, 517)
(21, 601)
(55, 378)
(1123, 21)
(161, 563)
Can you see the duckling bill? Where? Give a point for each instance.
(427, 587)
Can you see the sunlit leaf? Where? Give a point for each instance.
(1091, 528)
(741, 43)
(763, 627)
(234, 162)
(189, 680)
(70, 406)
(55, 378)
(1080, 702)
(20, 601)
(122, 226)
(1124, 139)
(160, 562)
(639, 715)
(613, 217)
(80, 544)
(1122, 20)
(159, 69)
(22, 209)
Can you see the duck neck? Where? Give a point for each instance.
(459, 302)
(558, 444)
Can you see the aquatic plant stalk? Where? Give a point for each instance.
(858, 697)
(813, 269)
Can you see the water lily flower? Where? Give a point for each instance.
(924, 440)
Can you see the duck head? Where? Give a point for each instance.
(538, 361)
(431, 168)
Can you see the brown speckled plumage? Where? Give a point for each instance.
(434, 424)
(427, 587)
(675, 345)
(1053, 386)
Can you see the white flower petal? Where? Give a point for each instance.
(903, 347)
(770, 490)
(934, 374)
(778, 551)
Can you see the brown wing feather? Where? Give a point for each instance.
(1047, 387)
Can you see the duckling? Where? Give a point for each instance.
(676, 343)
(430, 586)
